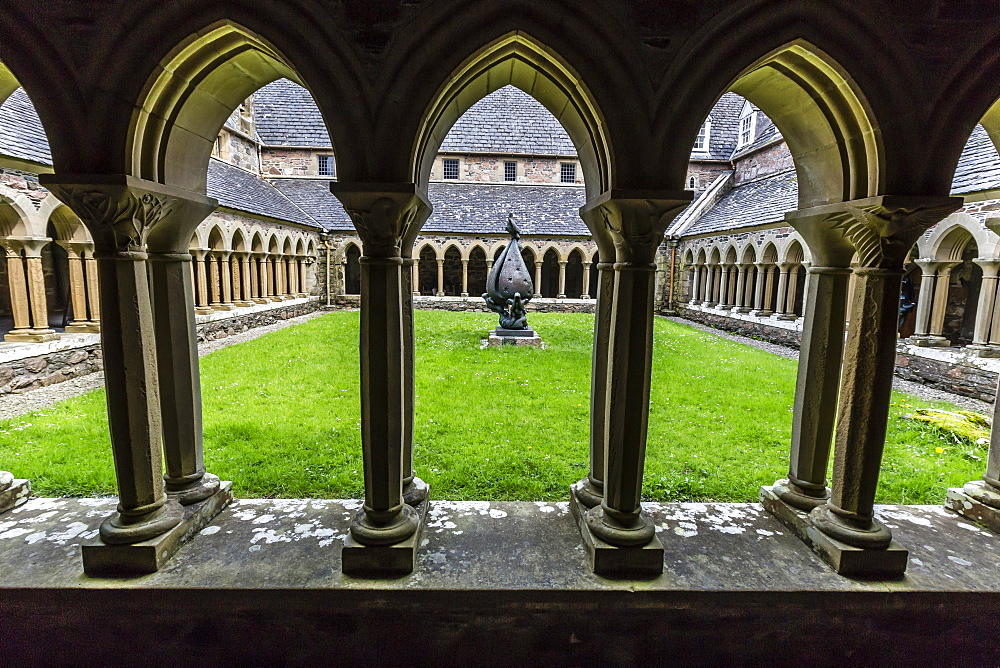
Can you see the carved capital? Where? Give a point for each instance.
(634, 221)
(387, 216)
(122, 211)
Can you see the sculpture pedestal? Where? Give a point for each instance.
(514, 337)
(843, 558)
(15, 495)
(381, 561)
(148, 556)
(644, 562)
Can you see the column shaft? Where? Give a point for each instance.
(465, 277)
(440, 278)
(561, 294)
(18, 285)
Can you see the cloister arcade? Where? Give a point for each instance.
(450, 269)
(871, 180)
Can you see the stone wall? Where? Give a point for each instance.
(30, 373)
(490, 168)
(289, 161)
(957, 372)
(476, 304)
(33, 372)
(705, 173)
(27, 182)
(769, 160)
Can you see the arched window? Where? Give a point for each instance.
(574, 275)
(477, 272)
(550, 274)
(352, 271)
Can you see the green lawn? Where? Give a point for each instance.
(282, 419)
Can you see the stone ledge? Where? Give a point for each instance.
(500, 582)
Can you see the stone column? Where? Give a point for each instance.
(440, 277)
(93, 286)
(214, 291)
(712, 288)
(226, 281)
(78, 287)
(586, 280)
(741, 289)
(256, 295)
(636, 226)
(769, 283)
(27, 290)
(561, 294)
(758, 302)
(782, 297)
(415, 278)
(939, 307)
(987, 301)
(818, 380)
(267, 277)
(724, 303)
(465, 277)
(882, 231)
(200, 281)
(925, 301)
(538, 278)
(119, 211)
(383, 218)
(791, 289)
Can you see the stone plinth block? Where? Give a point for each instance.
(609, 560)
(514, 337)
(975, 510)
(150, 555)
(15, 495)
(31, 338)
(379, 561)
(845, 559)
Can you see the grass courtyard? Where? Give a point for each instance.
(282, 412)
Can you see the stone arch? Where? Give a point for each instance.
(702, 256)
(299, 246)
(950, 237)
(448, 245)
(257, 241)
(239, 240)
(715, 256)
(286, 245)
(477, 269)
(188, 98)
(67, 225)
(574, 273)
(794, 252)
(520, 60)
(352, 268)
(769, 254)
(749, 255)
(730, 254)
(427, 255)
(216, 239)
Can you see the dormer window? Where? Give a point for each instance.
(747, 125)
(701, 141)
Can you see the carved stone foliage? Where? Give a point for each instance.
(882, 230)
(636, 226)
(119, 217)
(383, 219)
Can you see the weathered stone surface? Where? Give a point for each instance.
(384, 560)
(149, 556)
(645, 562)
(15, 495)
(844, 559)
(977, 511)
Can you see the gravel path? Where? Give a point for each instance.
(12, 405)
(916, 389)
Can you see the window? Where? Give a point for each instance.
(701, 141)
(746, 126)
(567, 172)
(449, 168)
(510, 171)
(692, 182)
(327, 166)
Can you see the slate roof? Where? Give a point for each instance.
(508, 120)
(722, 133)
(481, 208)
(979, 167)
(758, 202)
(21, 133)
(238, 189)
(314, 197)
(471, 208)
(286, 115)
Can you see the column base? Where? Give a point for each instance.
(384, 561)
(959, 500)
(192, 493)
(643, 562)
(723, 307)
(743, 309)
(786, 316)
(847, 560)
(928, 341)
(15, 495)
(560, 296)
(83, 327)
(761, 313)
(149, 556)
(261, 300)
(465, 294)
(584, 296)
(31, 336)
(203, 310)
(416, 492)
(223, 307)
(300, 295)
(586, 494)
(243, 303)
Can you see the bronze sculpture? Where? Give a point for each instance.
(509, 286)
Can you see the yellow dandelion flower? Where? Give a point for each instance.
(939, 450)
